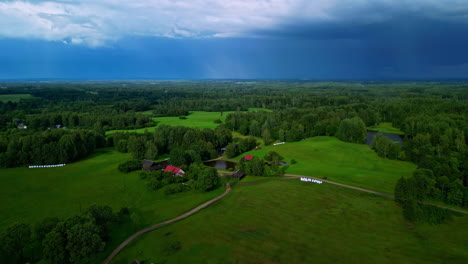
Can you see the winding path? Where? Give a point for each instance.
(187, 214)
(228, 189)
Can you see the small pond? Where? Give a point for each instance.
(394, 137)
(221, 164)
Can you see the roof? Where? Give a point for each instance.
(172, 169)
(147, 164)
(248, 157)
(150, 165)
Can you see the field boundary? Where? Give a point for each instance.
(180, 217)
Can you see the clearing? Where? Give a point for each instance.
(386, 128)
(14, 97)
(348, 163)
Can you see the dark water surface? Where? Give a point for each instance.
(221, 164)
(394, 137)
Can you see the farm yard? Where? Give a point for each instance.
(294, 222)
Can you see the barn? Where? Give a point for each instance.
(150, 165)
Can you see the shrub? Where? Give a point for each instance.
(218, 121)
(174, 188)
(293, 161)
(131, 165)
(182, 117)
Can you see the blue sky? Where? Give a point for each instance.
(195, 39)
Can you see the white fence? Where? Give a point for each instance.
(46, 166)
(311, 180)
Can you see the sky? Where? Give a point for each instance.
(234, 39)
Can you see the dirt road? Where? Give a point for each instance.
(187, 214)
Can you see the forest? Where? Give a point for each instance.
(64, 122)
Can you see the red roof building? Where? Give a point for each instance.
(175, 170)
(248, 157)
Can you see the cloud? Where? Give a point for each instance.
(98, 23)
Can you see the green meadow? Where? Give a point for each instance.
(29, 195)
(348, 163)
(386, 128)
(198, 119)
(294, 222)
(14, 97)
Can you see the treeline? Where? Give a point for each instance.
(295, 124)
(48, 147)
(185, 145)
(98, 120)
(59, 241)
(411, 192)
(439, 145)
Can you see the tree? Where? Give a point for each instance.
(82, 241)
(352, 130)
(15, 238)
(136, 146)
(266, 136)
(44, 227)
(103, 217)
(256, 166)
(177, 157)
(54, 248)
(151, 150)
(231, 150)
(207, 180)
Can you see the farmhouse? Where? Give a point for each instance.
(150, 165)
(175, 170)
(238, 174)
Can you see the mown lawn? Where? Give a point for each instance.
(14, 97)
(29, 195)
(353, 164)
(386, 128)
(295, 222)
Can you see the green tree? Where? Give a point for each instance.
(15, 239)
(44, 227)
(352, 130)
(136, 145)
(83, 241)
(266, 136)
(54, 248)
(207, 180)
(151, 150)
(256, 166)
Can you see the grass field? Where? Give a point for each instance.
(194, 119)
(295, 222)
(29, 195)
(14, 97)
(386, 128)
(353, 164)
